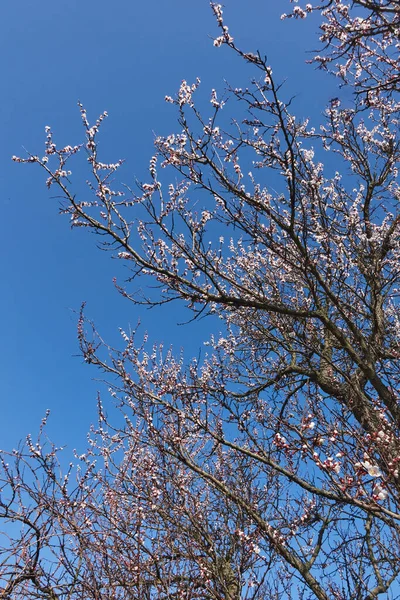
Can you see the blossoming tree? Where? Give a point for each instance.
(270, 468)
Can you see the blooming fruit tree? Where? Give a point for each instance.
(270, 467)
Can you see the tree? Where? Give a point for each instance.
(269, 468)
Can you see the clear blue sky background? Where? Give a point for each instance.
(121, 56)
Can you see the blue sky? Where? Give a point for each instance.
(123, 57)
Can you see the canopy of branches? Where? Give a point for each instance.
(269, 468)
